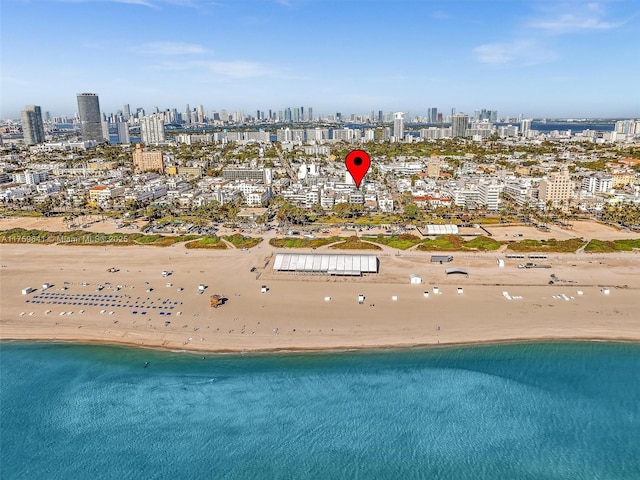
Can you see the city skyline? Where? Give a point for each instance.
(539, 59)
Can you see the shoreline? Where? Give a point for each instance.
(321, 350)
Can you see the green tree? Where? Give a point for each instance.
(411, 211)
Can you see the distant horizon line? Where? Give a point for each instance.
(303, 110)
(346, 117)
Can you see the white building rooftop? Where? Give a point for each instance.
(326, 263)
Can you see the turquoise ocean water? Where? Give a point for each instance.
(526, 411)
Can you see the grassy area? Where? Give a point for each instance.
(627, 245)
(355, 243)
(444, 242)
(240, 241)
(601, 246)
(162, 241)
(487, 221)
(147, 239)
(551, 245)
(400, 242)
(21, 235)
(482, 243)
(292, 242)
(21, 213)
(457, 243)
(207, 242)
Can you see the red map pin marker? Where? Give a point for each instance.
(358, 163)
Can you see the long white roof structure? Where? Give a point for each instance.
(442, 229)
(326, 263)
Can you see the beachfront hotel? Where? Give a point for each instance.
(556, 188)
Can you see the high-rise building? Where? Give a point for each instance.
(32, 125)
(105, 131)
(490, 195)
(432, 115)
(555, 190)
(152, 130)
(459, 123)
(123, 132)
(525, 126)
(386, 134)
(187, 114)
(90, 119)
(398, 125)
(127, 112)
(433, 166)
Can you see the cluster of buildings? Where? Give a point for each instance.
(96, 127)
(310, 181)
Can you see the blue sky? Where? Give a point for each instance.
(539, 58)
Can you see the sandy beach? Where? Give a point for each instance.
(294, 314)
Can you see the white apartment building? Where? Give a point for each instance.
(468, 197)
(402, 168)
(48, 187)
(317, 149)
(152, 130)
(597, 182)
(435, 133)
(344, 134)
(385, 203)
(318, 135)
(258, 198)
(29, 177)
(490, 195)
(191, 139)
(327, 198)
(14, 193)
(508, 131)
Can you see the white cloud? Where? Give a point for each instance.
(522, 52)
(573, 23)
(234, 69)
(589, 17)
(239, 69)
(169, 48)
